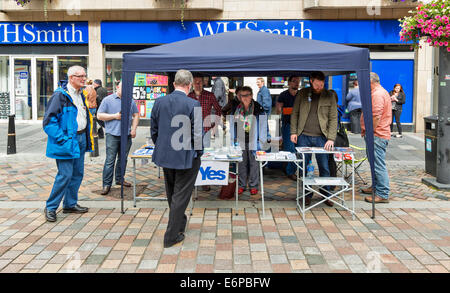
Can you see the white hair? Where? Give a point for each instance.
(183, 77)
(374, 78)
(74, 69)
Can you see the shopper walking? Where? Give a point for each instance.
(179, 160)
(101, 94)
(91, 97)
(263, 96)
(398, 98)
(354, 106)
(68, 124)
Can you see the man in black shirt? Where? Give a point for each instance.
(284, 106)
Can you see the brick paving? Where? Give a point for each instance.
(33, 181)
(218, 240)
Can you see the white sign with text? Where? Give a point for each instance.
(212, 173)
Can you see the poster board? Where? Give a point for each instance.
(146, 89)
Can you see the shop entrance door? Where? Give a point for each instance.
(22, 92)
(44, 84)
(34, 80)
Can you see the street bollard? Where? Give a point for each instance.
(95, 152)
(11, 135)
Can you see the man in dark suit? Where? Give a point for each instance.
(176, 130)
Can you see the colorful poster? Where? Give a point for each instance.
(147, 88)
(141, 108)
(155, 80)
(140, 79)
(139, 93)
(149, 107)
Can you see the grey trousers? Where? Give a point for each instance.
(179, 186)
(248, 169)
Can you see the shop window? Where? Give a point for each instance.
(113, 73)
(65, 62)
(4, 90)
(277, 81)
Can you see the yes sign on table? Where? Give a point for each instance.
(212, 173)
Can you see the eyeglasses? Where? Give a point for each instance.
(244, 96)
(80, 76)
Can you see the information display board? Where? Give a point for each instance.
(146, 89)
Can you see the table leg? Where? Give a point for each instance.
(237, 186)
(159, 172)
(193, 199)
(353, 188)
(262, 187)
(303, 186)
(134, 182)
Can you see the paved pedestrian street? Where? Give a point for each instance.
(218, 240)
(410, 234)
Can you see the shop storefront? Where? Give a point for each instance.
(390, 58)
(34, 57)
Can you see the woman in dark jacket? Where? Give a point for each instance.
(245, 121)
(398, 99)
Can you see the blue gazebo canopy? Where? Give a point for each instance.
(250, 53)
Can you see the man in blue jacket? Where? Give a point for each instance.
(176, 130)
(264, 98)
(68, 124)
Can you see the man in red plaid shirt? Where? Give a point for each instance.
(207, 101)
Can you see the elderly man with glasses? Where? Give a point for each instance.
(68, 124)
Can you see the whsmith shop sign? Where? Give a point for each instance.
(14, 33)
(337, 31)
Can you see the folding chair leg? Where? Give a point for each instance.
(357, 173)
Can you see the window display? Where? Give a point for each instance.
(64, 62)
(113, 73)
(146, 89)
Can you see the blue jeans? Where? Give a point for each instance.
(381, 173)
(322, 159)
(68, 179)
(288, 146)
(113, 152)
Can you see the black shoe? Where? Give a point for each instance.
(50, 215)
(329, 203)
(76, 210)
(179, 238)
(105, 190)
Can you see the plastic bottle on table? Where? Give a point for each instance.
(310, 170)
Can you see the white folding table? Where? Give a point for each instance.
(263, 160)
(235, 161)
(135, 157)
(308, 183)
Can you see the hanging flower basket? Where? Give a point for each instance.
(429, 22)
(22, 2)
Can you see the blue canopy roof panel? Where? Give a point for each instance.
(249, 53)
